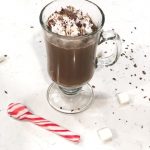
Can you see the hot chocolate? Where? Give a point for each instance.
(71, 61)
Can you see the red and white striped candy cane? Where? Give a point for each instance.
(21, 112)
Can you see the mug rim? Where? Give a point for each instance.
(71, 37)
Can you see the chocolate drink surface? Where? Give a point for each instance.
(71, 62)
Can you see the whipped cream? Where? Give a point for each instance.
(70, 22)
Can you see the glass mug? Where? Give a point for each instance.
(72, 60)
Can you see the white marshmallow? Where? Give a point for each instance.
(123, 98)
(105, 134)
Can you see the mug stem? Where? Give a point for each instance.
(70, 91)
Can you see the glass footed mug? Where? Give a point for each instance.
(72, 60)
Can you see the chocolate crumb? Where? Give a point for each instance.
(122, 54)
(40, 41)
(105, 42)
(78, 108)
(111, 70)
(113, 43)
(116, 89)
(131, 58)
(114, 79)
(135, 65)
(126, 47)
(123, 40)
(119, 119)
(126, 121)
(126, 68)
(5, 55)
(141, 126)
(93, 86)
(72, 110)
(60, 107)
(131, 75)
(31, 27)
(130, 83)
(113, 113)
(135, 75)
(132, 43)
(140, 78)
(144, 72)
(136, 87)
(149, 99)
(131, 50)
(142, 89)
(145, 97)
(145, 55)
(131, 32)
(135, 28)
(5, 92)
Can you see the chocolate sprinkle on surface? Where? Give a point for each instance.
(114, 79)
(135, 65)
(144, 72)
(93, 86)
(142, 89)
(140, 78)
(5, 92)
(5, 55)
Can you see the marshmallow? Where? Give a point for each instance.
(123, 98)
(105, 134)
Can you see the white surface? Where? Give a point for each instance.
(123, 98)
(24, 76)
(105, 134)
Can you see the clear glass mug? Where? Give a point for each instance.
(72, 60)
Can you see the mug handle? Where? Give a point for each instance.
(107, 36)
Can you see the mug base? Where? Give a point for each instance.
(70, 103)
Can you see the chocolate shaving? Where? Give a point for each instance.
(114, 79)
(135, 65)
(144, 72)
(5, 92)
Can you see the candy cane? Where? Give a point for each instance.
(21, 112)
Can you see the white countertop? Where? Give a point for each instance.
(25, 79)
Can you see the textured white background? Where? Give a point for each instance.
(24, 76)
